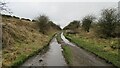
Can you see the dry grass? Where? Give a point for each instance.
(91, 37)
(21, 39)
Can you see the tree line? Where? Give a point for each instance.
(108, 24)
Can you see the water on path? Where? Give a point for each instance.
(53, 57)
(82, 57)
(66, 41)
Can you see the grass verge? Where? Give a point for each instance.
(59, 39)
(66, 50)
(111, 56)
(67, 54)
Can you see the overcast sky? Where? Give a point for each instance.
(60, 12)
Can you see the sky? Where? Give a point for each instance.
(61, 12)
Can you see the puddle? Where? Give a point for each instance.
(53, 57)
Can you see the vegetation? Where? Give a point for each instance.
(99, 47)
(20, 43)
(73, 25)
(67, 54)
(22, 38)
(101, 38)
(66, 49)
(42, 21)
(59, 39)
(45, 24)
(4, 7)
(107, 23)
(51, 24)
(86, 22)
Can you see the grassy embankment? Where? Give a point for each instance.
(101, 47)
(21, 40)
(66, 50)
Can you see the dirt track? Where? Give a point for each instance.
(53, 57)
(82, 57)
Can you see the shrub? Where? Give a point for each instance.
(42, 21)
(86, 22)
(116, 44)
(107, 23)
(73, 25)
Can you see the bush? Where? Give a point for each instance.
(86, 22)
(73, 25)
(117, 30)
(42, 21)
(116, 44)
(107, 23)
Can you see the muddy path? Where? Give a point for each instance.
(53, 57)
(82, 57)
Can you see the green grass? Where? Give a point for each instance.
(67, 54)
(20, 52)
(58, 37)
(98, 49)
(66, 50)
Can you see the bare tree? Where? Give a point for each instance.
(4, 7)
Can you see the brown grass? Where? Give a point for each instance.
(21, 39)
